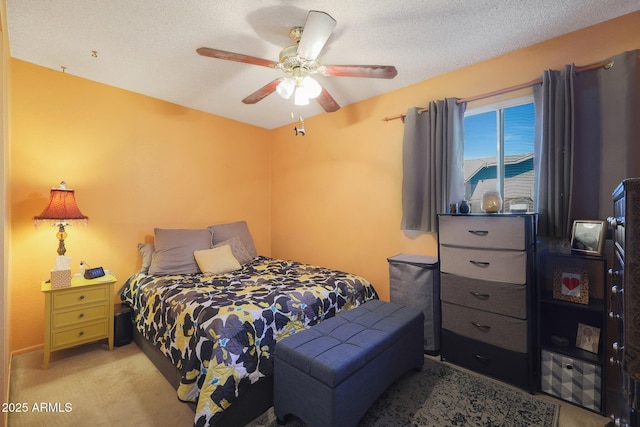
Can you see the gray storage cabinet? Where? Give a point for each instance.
(414, 281)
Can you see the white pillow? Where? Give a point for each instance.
(218, 260)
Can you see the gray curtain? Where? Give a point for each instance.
(587, 140)
(607, 134)
(432, 156)
(553, 158)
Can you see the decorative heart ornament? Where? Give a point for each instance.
(571, 284)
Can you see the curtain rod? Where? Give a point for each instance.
(602, 64)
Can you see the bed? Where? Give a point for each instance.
(207, 304)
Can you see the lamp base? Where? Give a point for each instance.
(61, 235)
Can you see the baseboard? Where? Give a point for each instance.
(26, 350)
(5, 415)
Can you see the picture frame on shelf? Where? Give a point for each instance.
(588, 338)
(588, 236)
(570, 284)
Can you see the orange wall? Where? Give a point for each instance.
(134, 162)
(330, 198)
(337, 193)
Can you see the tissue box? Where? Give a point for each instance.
(60, 278)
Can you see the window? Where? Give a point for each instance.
(498, 154)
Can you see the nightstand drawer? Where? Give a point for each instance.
(482, 232)
(86, 295)
(84, 333)
(83, 314)
(496, 265)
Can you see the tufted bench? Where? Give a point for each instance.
(330, 374)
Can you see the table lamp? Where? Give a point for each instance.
(61, 209)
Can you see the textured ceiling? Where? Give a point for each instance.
(148, 46)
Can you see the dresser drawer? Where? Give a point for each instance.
(63, 318)
(481, 357)
(86, 332)
(496, 297)
(482, 232)
(86, 295)
(502, 331)
(495, 265)
(571, 379)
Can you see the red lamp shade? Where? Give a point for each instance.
(62, 207)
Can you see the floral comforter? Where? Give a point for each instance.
(220, 331)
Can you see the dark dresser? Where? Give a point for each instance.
(625, 302)
(487, 292)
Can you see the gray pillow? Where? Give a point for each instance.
(146, 252)
(175, 248)
(222, 232)
(238, 249)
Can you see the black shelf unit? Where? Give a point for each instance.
(558, 321)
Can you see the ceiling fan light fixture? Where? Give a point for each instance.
(299, 61)
(300, 97)
(286, 87)
(311, 87)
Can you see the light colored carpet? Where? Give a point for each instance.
(123, 388)
(104, 388)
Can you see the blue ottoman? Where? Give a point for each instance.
(330, 374)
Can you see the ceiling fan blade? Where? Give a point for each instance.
(327, 102)
(371, 71)
(315, 34)
(238, 57)
(263, 92)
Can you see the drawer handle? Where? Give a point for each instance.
(481, 327)
(81, 333)
(81, 297)
(479, 295)
(616, 222)
(617, 347)
(479, 232)
(481, 358)
(81, 315)
(482, 264)
(614, 273)
(569, 367)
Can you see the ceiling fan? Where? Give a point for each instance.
(300, 61)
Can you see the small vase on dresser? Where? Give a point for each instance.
(487, 295)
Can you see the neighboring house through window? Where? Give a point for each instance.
(498, 153)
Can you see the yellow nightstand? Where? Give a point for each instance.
(78, 314)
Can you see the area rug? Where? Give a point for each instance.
(444, 396)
